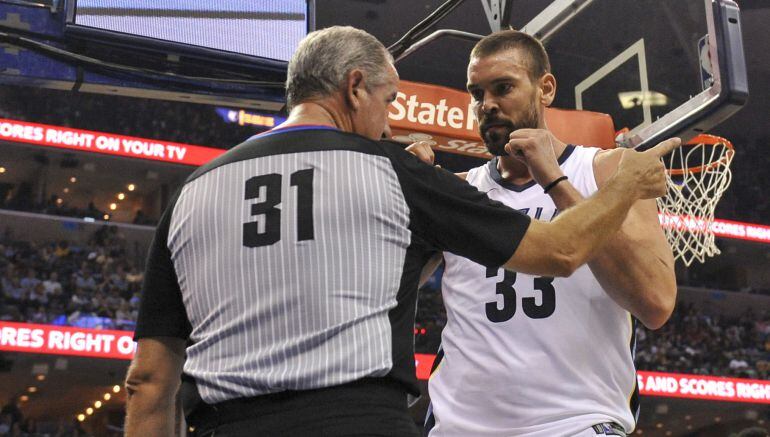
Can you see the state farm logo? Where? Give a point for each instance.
(408, 109)
(466, 147)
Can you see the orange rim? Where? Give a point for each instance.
(706, 139)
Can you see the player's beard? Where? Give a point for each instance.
(496, 139)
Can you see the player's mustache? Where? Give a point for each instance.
(493, 122)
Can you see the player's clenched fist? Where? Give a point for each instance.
(534, 147)
(645, 169)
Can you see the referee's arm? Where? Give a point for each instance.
(467, 223)
(152, 383)
(569, 241)
(162, 330)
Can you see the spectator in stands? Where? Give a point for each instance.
(62, 249)
(141, 218)
(12, 410)
(30, 281)
(84, 280)
(52, 285)
(5, 424)
(93, 211)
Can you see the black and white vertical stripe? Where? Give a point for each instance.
(275, 289)
(296, 314)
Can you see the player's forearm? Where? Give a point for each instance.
(636, 274)
(589, 224)
(560, 247)
(637, 279)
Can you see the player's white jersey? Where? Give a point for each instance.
(526, 355)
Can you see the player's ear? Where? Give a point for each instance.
(547, 86)
(353, 88)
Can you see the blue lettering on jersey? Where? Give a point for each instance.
(538, 213)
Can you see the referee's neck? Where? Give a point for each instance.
(326, 112)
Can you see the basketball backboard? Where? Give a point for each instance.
(658, 68)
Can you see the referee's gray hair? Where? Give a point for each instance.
(325, 57)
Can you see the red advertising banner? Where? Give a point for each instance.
(433, 109)
(711, 388)
(64, 340)
(108, 144)
(102, 343)
(720, 228)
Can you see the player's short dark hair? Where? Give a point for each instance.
(538, 61)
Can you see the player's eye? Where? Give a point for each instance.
(503, 88)
(477, 94)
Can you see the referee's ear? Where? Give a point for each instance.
(353, 89)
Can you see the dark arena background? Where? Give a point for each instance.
(106, 107)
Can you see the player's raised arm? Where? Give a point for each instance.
(561, 246)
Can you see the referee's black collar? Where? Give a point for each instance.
(492, 165)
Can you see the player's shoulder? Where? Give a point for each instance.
(605, 163)
(475, 174)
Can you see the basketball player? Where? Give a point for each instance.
(537, 356)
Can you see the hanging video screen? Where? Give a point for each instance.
(262, 28)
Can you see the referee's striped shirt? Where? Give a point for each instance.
(291, 262)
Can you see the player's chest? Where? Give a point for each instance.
(531, 201)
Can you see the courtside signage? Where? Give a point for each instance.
(434, 109)
(710, 388)
(673, 385)
(109, 144)
(720, 228)
(49, 339)
(102, 343)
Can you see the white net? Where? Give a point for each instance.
(698, 173)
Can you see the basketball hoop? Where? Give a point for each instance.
(697, 174)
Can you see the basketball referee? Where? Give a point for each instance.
(281, 284)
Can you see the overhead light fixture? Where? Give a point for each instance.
(116, 389)
(98, 404)
(24, 398)
(59, 201)
(73, 179)
(81, 417)
(635, 99)
(113, 206)
(89, 411)
(2, 169)
(66, 190)
(107, 396)
(121, 196)
(131, 187)
(40, 377)
(106, 217)
(32, 389)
